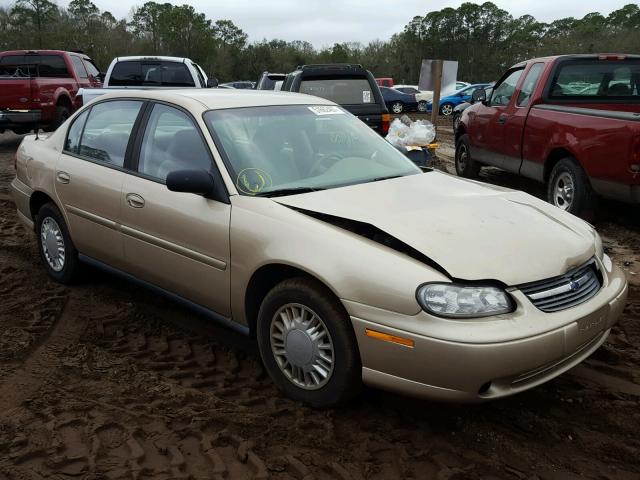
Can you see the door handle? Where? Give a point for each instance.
(63, 177)
(502, 119)
(134, 200)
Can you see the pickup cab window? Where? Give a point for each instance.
(597, 79)
(52, 66)
(504, 91)
(529, 85)
(153, 74)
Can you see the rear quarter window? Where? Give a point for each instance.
(344, 91)
(596, 80)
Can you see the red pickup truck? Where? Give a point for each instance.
(38, 87)
(571, 121)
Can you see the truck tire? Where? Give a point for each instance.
(62, 113)
(465, 166)
(57, 251)
(569, 187)
(308, 345)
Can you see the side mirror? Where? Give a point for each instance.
(479, 96)
(190, 181)
(212, 83)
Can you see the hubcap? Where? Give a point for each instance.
(52, 244)
(302, 346)
(462, 158)
(563, 191)
(447, 109)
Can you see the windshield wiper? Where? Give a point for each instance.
(288, 191)
(379, 179)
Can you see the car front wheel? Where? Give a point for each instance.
(397, 107)
(307, 344)
(446, 109)
(57, 251)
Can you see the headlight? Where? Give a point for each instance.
(463, 301)
(599, 247)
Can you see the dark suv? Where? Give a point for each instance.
(351, 86)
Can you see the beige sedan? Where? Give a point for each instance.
(284, 216)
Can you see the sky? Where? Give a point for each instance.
(325, 22)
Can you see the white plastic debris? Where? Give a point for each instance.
(406, 133)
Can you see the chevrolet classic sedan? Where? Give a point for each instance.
(286, 217)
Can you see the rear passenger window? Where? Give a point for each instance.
(78, 67)
(75, 132)
(171, 142)
(529, 85)
(107, 130)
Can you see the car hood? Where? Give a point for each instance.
(472, 230)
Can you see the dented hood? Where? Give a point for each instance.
(472, 230)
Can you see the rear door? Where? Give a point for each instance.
(90, 173)
(177, 241)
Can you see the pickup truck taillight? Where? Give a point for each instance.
(386, 121)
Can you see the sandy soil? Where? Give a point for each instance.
(107, 381)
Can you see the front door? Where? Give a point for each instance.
(89, 176)
(177, 241)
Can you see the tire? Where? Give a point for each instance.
(397, 107)
(62, 113)
(456, 120)
(344, 373)
(446, 109)
(569, 187)
(422, 106)
(52, 232)
(465, 166)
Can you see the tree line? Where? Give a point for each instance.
(483, 38)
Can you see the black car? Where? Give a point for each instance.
(349, 85)
(267, 81)
(398, 102)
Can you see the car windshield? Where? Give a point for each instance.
(294, 148)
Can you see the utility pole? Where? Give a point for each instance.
(437, 87)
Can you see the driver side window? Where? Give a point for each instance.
(504, 91)
(171, 142)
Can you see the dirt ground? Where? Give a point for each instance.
(105, 380)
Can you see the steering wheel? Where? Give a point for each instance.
(322, 162)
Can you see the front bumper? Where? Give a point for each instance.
(474, 368)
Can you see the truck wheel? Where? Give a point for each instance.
(456, 120)
(57, 251)
(465, 166)
(446, 109)
(569, 187)
(307, 344)
(62, 113)
(397, 107)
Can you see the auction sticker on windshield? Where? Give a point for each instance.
(326, 110)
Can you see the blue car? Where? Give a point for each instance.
(448, 103)
(398, 102)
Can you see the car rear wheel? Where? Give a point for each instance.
(307, 344)
(569, 187)
(465, 166)
(397, 107)
(422, 106)
(446, 109)
(57, 251)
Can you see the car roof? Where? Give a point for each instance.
(152, 58)
(203, 99)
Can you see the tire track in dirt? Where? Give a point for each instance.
(37, 367)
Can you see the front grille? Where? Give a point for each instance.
(565, 291)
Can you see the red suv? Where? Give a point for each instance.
(38, 88)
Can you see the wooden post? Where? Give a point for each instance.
(437, 87)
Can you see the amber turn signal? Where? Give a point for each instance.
(385, 337)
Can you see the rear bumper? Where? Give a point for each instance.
(10, 118)
(22, 195)
(459, 371)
